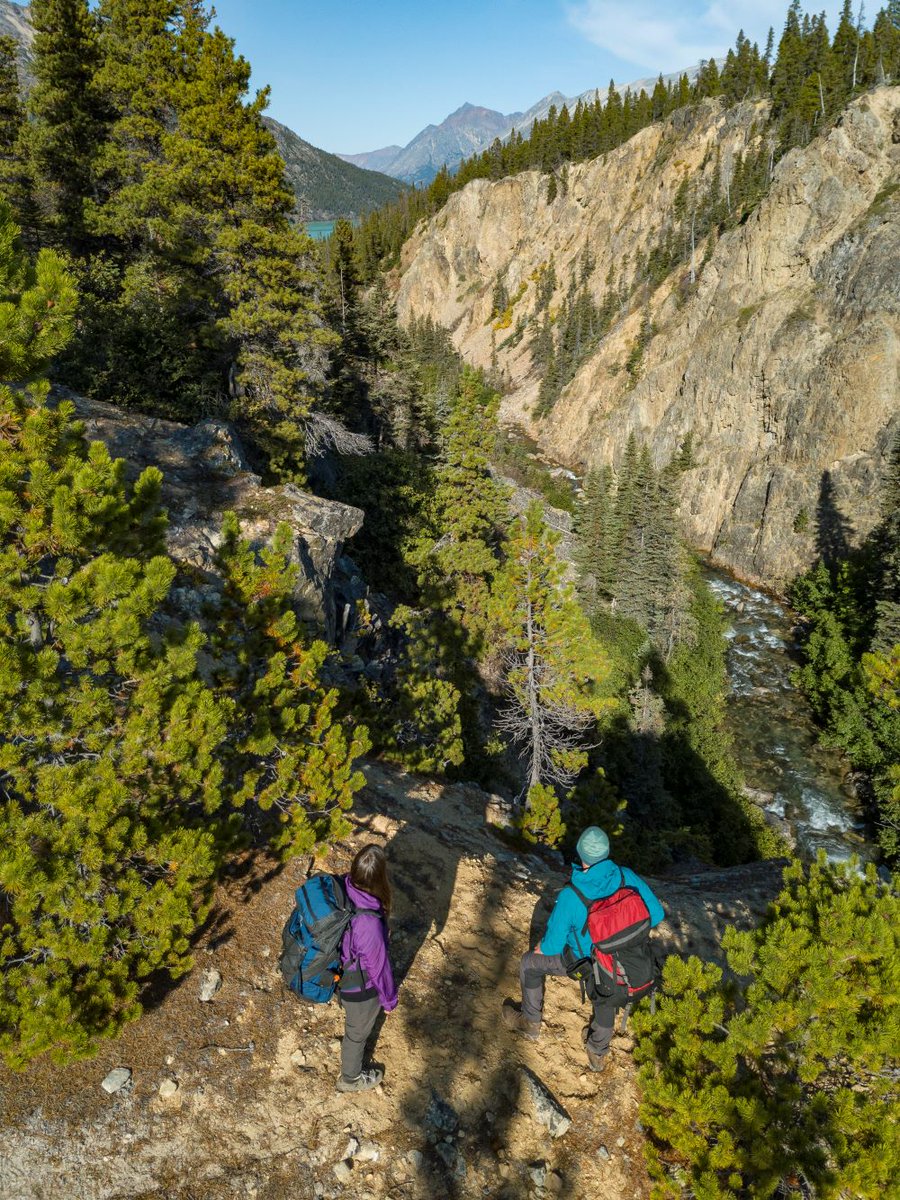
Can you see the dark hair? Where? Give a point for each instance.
(368, 872)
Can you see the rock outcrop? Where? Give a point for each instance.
(783, 360)
(235, 1097)
(205, 474)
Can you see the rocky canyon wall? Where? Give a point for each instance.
(782, 360)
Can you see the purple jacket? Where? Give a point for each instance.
(366, 941)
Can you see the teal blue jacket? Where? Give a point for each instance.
(569, 914)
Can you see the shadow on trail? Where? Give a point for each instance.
(460, 1106)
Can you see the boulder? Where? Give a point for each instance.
(206, 473)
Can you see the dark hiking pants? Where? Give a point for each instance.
(359, 1021)
(534, 970)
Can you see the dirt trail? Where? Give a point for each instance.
(255, 1113)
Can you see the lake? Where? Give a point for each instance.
(320, 229)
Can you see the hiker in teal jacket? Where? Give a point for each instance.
(565, 937)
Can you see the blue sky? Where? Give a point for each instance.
(353, 75)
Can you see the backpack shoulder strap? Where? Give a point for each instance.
(584, 900)
(341, 898)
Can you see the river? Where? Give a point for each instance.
(775, 739)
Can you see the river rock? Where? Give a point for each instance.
(118, 1080)
(210, 982)
(547, 1109)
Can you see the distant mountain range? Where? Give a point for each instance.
(326, 187)
(471, 129)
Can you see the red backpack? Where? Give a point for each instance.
(619, 928)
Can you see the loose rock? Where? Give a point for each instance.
(603, 1153)
(538, 1175)
(440, 1118)
(452, 1159)
(366, 1152)
(343, 1171)
(210, 982)
(167, 1089)
(117, 1080)
(547, 1109)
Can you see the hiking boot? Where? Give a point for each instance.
(363, 1082)
(513, 1019)
(597, 1062)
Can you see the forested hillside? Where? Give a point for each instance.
(174, 734)
(326, 187)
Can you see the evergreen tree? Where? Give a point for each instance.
(887, 544)
(416, 715)
(553, 673)
(14, 183)
(596, 556)
(785, 1078)
(289, 755)
(68, 111)
(111, 734)
(470, 516)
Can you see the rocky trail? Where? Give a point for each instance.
(233, 1096)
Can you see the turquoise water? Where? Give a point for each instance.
(320, 230)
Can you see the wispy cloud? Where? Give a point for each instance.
(662, 37)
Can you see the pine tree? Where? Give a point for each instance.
(470, 516)
(289, 756)
(416, 716)
(846, 55)
(597, 552)
(68, 112)
(14, 182)
(887, 538)
(783, 1079)
(554, 669)
(111, 734)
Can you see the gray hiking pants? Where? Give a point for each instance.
(534, 970)
(359, 1021)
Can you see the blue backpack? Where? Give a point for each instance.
(311, 939)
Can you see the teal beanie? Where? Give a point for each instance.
(593, 846)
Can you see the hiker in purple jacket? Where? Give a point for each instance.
(367, 985)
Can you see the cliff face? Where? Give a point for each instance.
(782, 360)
